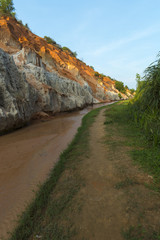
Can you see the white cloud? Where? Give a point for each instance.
(119, 43)
(124, 68)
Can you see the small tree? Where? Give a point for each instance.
(74, 54)
(119, 86)
(92, 67)
(66, 49)
(138, 79)
(119, 95)
(7, 8)
(49, 40)
(132, 90)
(102, 75)
(96, 74)
(26, 25)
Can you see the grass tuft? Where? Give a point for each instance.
(140, 233)
(127, 182)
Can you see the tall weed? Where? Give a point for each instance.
(145, 107)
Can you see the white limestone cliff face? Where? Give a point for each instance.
(17, 97)
(26, 59)
(29, 89)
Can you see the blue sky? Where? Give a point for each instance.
(118, 37)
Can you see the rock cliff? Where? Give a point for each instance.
(26, 92)
(39, 77)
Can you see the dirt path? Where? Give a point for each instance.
(114, 196)
(26, 157)
(100, 194)
(102, 215)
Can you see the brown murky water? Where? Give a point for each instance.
(26, 157)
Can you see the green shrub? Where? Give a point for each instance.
(145, 107)
(111, 78)
(120, 86)
(66, 49)
(49, 40)
(96, 74)
(132, 90)
(119, 95)
(20, 22)
(102, 75)
(74, 54)
(7, 8)
(123, 91)
(92, 67)
(26, 26)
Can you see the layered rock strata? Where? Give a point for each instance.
(31, 89)
(37, 77)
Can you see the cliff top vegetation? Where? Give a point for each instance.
(7, 8)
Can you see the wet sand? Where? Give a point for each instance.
(26, 158)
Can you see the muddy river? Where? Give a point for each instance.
(26, 158)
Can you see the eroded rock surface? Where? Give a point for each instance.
(31, 89)
(38, 77)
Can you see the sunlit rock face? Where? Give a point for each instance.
(55, 92)
(16, 39)
(17, 97)
(31, 89)
(39, 77)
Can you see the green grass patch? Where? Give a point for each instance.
(125, 183)
(122, 132)
(143, 153)
(47, 214)
(140, 233)
(108, 121)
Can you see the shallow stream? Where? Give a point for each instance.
(26, 158)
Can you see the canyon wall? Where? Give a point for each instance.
(32, 89)
(37, 77)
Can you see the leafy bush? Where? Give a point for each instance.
(52, 42)
(74, 54)
(132, 90)
(111, 78)
(26, 26)
(49, 40)
(66, 49)
(145, 107)
(7, 8)
(58, 46)
(120, 86)
(20, 22)
(102, 75)
(92, 67)
(96, 74)
(119, 95)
